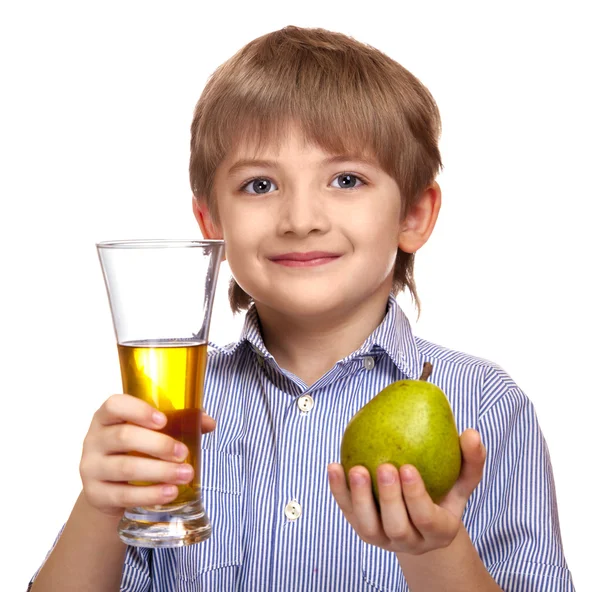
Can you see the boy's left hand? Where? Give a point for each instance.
(408, 520)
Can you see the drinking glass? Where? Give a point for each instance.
(161, 294)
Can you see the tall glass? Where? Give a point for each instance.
(161, 294)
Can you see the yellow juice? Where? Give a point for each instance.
(169, 375)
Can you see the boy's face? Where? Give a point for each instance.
(307, 233)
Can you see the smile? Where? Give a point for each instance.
(312, 259)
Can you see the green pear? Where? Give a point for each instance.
(408, 422)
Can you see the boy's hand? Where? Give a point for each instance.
(125, 424)
(408, 521)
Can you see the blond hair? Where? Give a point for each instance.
(346, 97)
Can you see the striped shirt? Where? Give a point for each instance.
(269, 455)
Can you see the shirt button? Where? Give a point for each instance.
(306, 403)
(258, 352)
(293, 510)
(369, 363)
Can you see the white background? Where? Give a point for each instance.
(96, 102)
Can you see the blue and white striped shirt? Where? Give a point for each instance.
(268, 451)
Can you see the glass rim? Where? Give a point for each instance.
(158, 243)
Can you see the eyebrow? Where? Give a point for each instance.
(362, 159)
(251, 162)
(337, 158)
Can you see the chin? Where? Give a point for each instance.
(311, 300)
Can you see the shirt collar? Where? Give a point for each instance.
(251, 335)
(394, 336)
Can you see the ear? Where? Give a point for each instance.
(209, 229)
(418, 224)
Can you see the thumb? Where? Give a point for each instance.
(473, 461)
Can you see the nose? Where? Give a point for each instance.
(302, 212)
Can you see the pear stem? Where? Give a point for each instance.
(427, 369)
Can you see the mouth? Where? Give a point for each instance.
(311, 259)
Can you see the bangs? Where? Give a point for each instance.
(254, 134)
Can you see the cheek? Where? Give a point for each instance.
(241, 256)
(243, 239)
(239, 225)
(378, 229)
(238, 245)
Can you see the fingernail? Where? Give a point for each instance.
(387, 477)
(407, 474)
(169, 490)
(332, 474)
(180, 451)
(357, 478)
(184, 473)
(159, 418)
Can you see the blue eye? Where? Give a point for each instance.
(347, 181)
(259, 186)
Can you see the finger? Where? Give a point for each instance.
(473, 461)
(126, 437)
(366, 519)
(125, 468)
(208, 424)
(339, 489)
(429, 519)
(394, 517)
(125, 408)
(116, 495)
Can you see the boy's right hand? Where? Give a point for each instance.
(125, 424)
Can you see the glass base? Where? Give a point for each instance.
(155, 528)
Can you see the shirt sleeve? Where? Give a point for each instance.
(512, 515)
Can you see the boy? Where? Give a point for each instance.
(315, 158)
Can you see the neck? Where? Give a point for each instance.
(309, 347)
